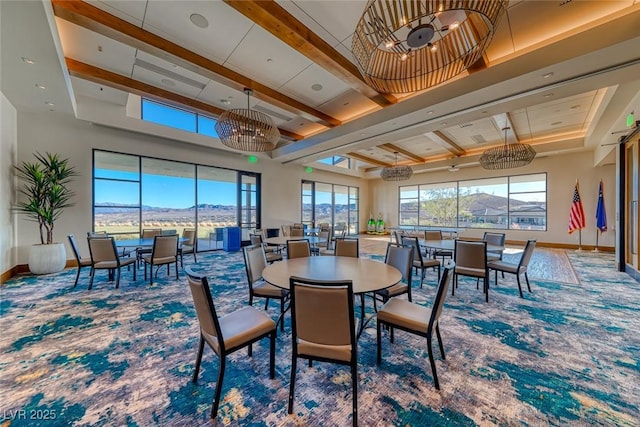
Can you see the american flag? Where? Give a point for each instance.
(576, 215)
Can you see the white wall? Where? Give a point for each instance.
(8, 157)
(75, 139)
(562, 172)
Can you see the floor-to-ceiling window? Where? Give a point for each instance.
(509, 202)
(330, 203)
(133, 192)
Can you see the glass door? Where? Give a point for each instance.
(249, 218)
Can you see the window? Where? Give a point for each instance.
(339, 161)
(513, 202)
(132, 193)
(178, 118)
(330, 203)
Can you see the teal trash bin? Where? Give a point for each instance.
(231, 239)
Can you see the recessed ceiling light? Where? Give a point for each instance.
(430, 112)
(39, 86)
(49, 103)
(575, 107)
(269, 59)
(346, 103)
(225, 101)
(168, 82)
(548, 95)
(546, 76)
(199, 20)
(556, 123)
(317, 87)
(443, 123)
(28, 60)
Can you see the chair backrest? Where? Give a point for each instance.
(413, 242)
(496, 239)
(190, 234)
(324, 226)
(102, 249)
(165, 246)
(433, 235)
(296, 232)
(441, 293)
(97, 234)
(205, 310)
(400, 257)
(298, 225)
(298, 248)
(255, 260)
(74, 247)
(256, 239)
(347, 247)
(470, 254)
(321, 316)
(326, 236)
(148, 233)
(285, 230)
(526, 256)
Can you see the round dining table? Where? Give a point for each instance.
(367, 275)
(450, 245)
(282, 240)
(141, 243)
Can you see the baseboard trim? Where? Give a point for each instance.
(24, 268)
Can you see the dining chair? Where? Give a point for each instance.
(437, 235)
(347, 247)
(82, 262)
(229, 333)
(517, 269)
(470, 257)
(327, 246)
(323, 329)
(400, 257)
(164, 252)
(270, 254)
(189, 246)
(416, 319)
(298, 248)
(418, 261)
(104, 256)
(147, 233)
(255, 262)
(495, 239)
(298, 225)
(296, 232)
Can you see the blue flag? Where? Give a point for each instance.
(601, 213)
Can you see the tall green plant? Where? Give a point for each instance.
(45, 191)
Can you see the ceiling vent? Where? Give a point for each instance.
(466, 125)
(478, 139)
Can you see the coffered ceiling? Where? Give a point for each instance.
(560, 74)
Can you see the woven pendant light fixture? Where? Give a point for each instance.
(411, 45)
(395, 172)
(246, 129)
(507, 156)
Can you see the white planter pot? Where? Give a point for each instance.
(46, 259)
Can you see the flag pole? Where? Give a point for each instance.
(596, 248)
(580, 239)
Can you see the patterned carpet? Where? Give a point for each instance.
(567, 354)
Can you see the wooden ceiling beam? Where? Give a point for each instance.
(103, 23)
(370, 160)
(392, 148)
(120, 82)
(276, 20)
(446, 142)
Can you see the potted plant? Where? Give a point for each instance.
(44, 196)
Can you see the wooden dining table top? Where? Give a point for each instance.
(282, 240)
(367, 275)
